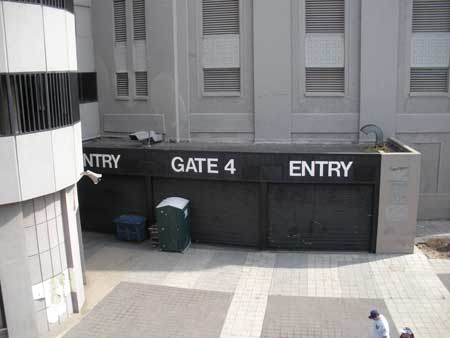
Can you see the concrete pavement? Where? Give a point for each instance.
(257, 294)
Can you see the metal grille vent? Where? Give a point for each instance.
(41, 101)
(122, 84)
(139, 20)
(220, 17)
(141, 84)
(120, 21)
(429, 80)
(222, 80)
(431, 16)
(325, 80)
(324, 16)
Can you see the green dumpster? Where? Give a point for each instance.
(172, 218)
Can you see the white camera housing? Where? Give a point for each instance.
(146, 135)
(94, 177)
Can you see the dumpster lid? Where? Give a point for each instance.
(175, 202)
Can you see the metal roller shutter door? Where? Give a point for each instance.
(221, 212)
(320, 217)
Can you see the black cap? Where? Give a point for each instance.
(374, 314)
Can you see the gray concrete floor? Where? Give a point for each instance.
(133, 290)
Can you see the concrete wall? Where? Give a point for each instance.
(40, 281)
(273, 106)
(14, 274)
(397, 210)
(89, 112)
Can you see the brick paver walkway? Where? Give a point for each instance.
(261, 290)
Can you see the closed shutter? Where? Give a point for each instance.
(141, 84)
(430, 47)
(325, 80)
(120, 22)
(324, 46)
(431, 16)
(139, 20)
(324, 16)
(220, 17)
(429, 80)
(221, 40)
(222, 80)
(122, 84)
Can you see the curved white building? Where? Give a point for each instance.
(41, 273)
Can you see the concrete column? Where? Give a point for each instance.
(272, 70)
(72, 237)
(14, 274)
(379, 63)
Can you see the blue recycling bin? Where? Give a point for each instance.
(131, 227)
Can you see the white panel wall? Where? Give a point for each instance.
(24, 29)
(3, 59)
(9, 173)
(90, 120)
(35, 157)
(55, 39)
(63, 156)
(85, 42)
(71, 41)
(39, 164)
(78, 145)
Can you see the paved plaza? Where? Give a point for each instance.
(135, 291)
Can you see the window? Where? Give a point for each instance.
(141, 84)
(221, 47)
(87, 87)
(122, 85)
(139, 20)
(430, 46)
(324, 46)
(120, 21)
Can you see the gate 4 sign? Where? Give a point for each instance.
(199, 165)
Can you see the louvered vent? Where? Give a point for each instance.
(122, 84)
(222, 80)
(429, 80)
(324, 16)
(139, 19)
(220, 17)
(120, 22)
(325, 80)
(431, 16)
(141, 84)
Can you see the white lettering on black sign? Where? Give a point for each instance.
(319, 168)
(102, 161)
(201, 165)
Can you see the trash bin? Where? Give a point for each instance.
(130, 227)
(172, 218)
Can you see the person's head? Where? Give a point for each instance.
(374, 314)
(406, 333)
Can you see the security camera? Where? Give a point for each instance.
(140, 136)
(94, 177)
(150, 136)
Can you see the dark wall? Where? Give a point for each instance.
(113, 196)
(221, 212)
